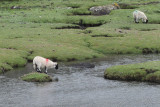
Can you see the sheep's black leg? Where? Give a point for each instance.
(37, 69)
(45, 69)
(135, 20)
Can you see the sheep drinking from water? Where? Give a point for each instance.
(40, 63)
(139, 15)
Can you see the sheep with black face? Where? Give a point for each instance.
(137, 15)
(40, 63)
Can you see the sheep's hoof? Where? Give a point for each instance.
(39, 71)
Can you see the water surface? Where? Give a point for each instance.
(80, 87)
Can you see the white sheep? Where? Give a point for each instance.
(139, 15)
(40, 62)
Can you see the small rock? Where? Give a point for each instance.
(103, 10)
(120, 31)
(15, 7)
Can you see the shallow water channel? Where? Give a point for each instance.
(80, 87)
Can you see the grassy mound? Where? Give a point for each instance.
(148, 71)
(36, 77)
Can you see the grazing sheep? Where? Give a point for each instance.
(139, 15)
(40, 62)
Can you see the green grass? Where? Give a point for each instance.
(36, 77)
(64, 30)
(148, 71)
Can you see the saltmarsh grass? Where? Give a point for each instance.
(148, 71)
(35, 29)
(36, 77)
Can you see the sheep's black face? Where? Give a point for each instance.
(56, 66)
(146, 21)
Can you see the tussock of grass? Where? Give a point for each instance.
(154, 77)
(149, 51)
(5, 67)
(36, 77)
(149, 71)
(11, 58)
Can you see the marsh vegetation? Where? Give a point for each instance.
(64, 30)
(37, 77)
(148, 71)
